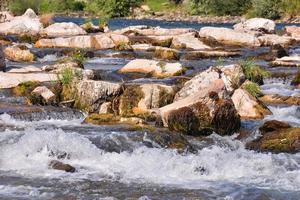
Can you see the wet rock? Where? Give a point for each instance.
(57, 165)
(277, 137)
(2, 60)
(293, 31)
(89, 95)
(101, 119)
(18, 54)
(256, 24)
(26, 24)
(196, 55)
(188, 41)
(156, 68)
(202, 112)
(229, 36)
(276, 99)
(62, 30)
(166, 53)
(231, 75)
(5, 16)
(141, 99)
(287, 61)
(105, 108)
(269, 40)
(43, 92)
(10, 80)
(248, 106)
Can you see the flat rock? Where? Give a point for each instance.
(272, 39)
(256, 24)
(286, 61)
(63, 29)
(229, 36)
(195, 55)
(188, 41)
(27, 69)
(157, 68)
(293, 31)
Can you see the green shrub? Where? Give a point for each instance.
(18, 7)
(252, 88)
(79, 55)
(265, 8)
(253, 72)
(290, 7)
(66, 76)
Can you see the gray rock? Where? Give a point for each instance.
(2, 60)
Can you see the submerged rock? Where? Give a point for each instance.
(248, 106)
(256, 24)
(232, 76)
(2, 60)
(55, 164)
(63, 29)
(26, 24)
(18, 54)
(156, 68)
(202, 112)
(277, 137)
(229, 36)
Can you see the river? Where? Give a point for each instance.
(115, 162)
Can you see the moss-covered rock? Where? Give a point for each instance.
(101, 119)
(166, 53)
(24, 89)
(278, 137)
(129, 100)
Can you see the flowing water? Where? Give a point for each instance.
(114, 162)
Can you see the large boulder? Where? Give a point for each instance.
(202, 113)
(229, 36)
(26, 24)
(141, 99)
(2, 60)
(277, 137)
(89, 94)
(256, 24)
(232, 76)
(63, 29)
(18, 54)
(188, 41)
(293, 31)
(156, 68)
(248, 106)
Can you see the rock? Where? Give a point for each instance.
(273, 125)
(276, 51)
(42, 91)
(287, 61)
(10, 80)
(166, 53)
(26, 69)
(296, 79)
(232, 76)
(18, 54)
(118, 39)
(141, 99)
(248, 106)
(63, 29)
(188, 41)
(101, 41)
(269, 40)
(143, 47)
(106, 108)
(163, 41)
(276, 99)
(90, 28)
(158, 69)
(101, 119)
(90, 94)
(47, 19)
(132, 120)
(196, 55)
(57, 165)
(256, 24)
(293, 31)
(5, 16)
(277, 137)
(157, 31)
(2, 60)
(61, 66)
(202, 113)
(26, 24)
(229, 37)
